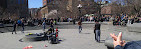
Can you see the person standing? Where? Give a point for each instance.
(80, 26)
(44, 25)
(52, 26)
(74, 21)
(21, 23)
(14, 27)
(97, 31)
(132, 20)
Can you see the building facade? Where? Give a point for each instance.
(3, 3)
(45, 2)
(16, 8)
(33, 12)
(67, 8)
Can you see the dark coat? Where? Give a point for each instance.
(130, 45)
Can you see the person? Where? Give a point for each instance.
(120, 44)
(91, 18)
(51, 22)
(55, 22)
(80, 27)
(132, 20)
(22, 27)
(14, 27)
(39, 22)
(44, 25)
(51, 25)
(97, 31)
(126, 20)
(74, 21)
(20, 23)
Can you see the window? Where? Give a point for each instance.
(19, 2)
(22, 1)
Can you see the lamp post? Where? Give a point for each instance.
(79, 8)
(100, 4)
(99, 12)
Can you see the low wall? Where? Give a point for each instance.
(128, 36)
(136, 27)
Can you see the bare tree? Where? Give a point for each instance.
(130, 7)
(68, 8)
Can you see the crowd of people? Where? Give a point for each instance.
(6, 20)
(117, 20)
(123, 20)
(95, 18)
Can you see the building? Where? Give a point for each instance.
(3, 3)
(18, 8)
(45, 2)
(42, 12)
(33, 12)
(67, 8)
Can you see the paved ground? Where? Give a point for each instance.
(69, 35)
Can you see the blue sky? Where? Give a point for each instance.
(35, 3)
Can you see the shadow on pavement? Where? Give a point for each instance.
(102, 41)
(85, 33)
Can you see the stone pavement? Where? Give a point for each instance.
(71, 39)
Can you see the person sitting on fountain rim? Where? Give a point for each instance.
(120, 44)
(50, 30)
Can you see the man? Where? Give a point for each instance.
(120, 44)
(80, 27)
(21, 23)
(74, 21)
(14, 27)
(97, 31)
(44, 25)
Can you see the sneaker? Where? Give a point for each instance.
(22, 31)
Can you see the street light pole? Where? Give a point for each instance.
(100, 4)
(79, 7)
